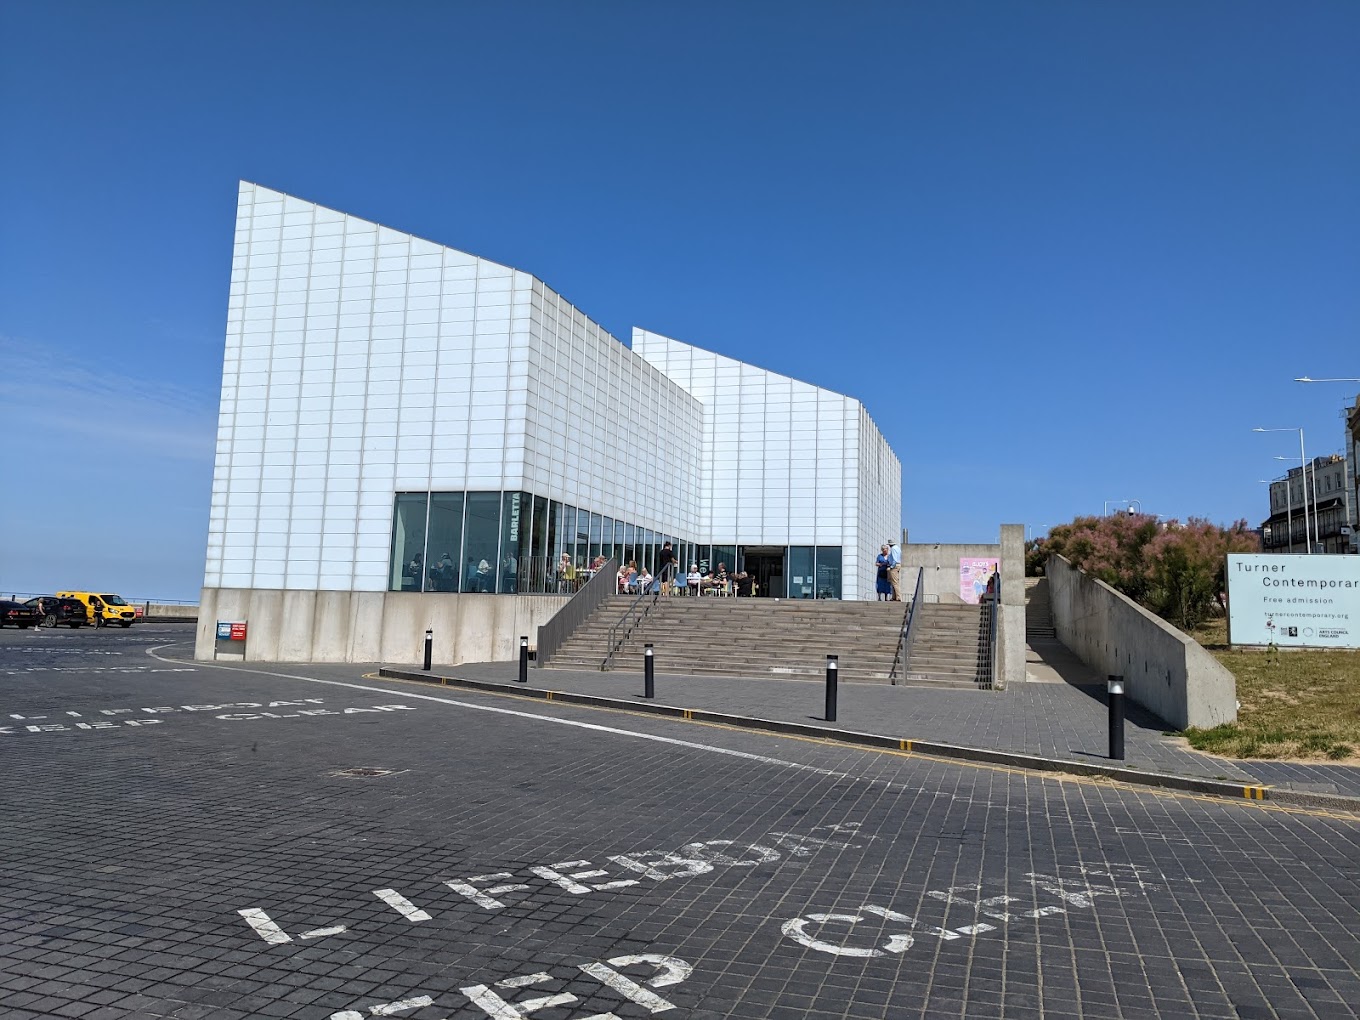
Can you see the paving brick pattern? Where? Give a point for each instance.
(1054, 720)
(832, 881)
(1051, 720)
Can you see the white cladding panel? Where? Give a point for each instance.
(606, 430)
(361, 362)
(785, 462)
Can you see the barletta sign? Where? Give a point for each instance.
(1294, 600)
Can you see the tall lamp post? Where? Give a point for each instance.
(1127, 502)
(1309, 479)
(1303, 464)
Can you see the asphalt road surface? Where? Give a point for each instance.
(195, 841)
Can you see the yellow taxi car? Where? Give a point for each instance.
(104, 609)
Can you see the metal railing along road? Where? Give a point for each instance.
(636, 613)
(585, 601)
(908, 627)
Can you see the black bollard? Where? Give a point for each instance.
(523, 658)
(648, 673)
(1115, 686)
(831, 669)
(429, 650)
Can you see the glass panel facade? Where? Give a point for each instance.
(828, 571)
(445, 542)
(481, 541)
(514, 533)
(801, 572)
(514, 543)
(408, 541)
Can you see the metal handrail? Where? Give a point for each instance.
(908, 627)
(991, 628)
(654, 590)
(991, 601)
(566, 620)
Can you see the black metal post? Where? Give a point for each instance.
(648, 673)
(1115, 686)
(429, 650)
(523, 658)
(831, 678)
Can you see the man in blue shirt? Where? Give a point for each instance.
(895, 569)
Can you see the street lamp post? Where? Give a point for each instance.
(1309, 481)
(1303, 465)
(1127, 502)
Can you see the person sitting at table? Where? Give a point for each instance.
(597, 563)
(717, 581)
(744, 584)
(693, 579)
(643, 581)
(630, 581)
(566, 573)
(621, 579)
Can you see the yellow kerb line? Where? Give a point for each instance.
(905, 745)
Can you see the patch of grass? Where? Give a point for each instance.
(1295, 703)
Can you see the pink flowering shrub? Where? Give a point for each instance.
(1176, 570)
(1186, 564)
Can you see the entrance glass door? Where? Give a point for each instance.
(765, 563)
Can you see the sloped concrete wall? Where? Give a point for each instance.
(1164, 670)
(389, 627)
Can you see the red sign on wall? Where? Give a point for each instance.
(238, 631)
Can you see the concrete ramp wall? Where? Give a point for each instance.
(364, 626)
(1164, 670)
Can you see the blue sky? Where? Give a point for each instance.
(1065, 252)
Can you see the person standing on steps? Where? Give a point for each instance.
(882, 583)
(665, 567)
(895, 569)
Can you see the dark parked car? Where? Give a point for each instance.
(17, 613)
(53, 611)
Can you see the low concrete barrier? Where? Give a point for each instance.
(168, 613)
(372, 626)
(1164, 670)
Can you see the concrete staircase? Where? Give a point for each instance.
(1038, 609)
(764, 638)
(787, 639)
(945, 648)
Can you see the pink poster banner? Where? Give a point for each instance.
(974, 573)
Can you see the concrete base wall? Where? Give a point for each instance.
(941, 565)
(361, 626)
(166, 612)
(1164, 670)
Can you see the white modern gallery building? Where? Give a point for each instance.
(406, 430)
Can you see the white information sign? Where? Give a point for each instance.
(1309, 601)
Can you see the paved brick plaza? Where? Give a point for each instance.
(179, 841)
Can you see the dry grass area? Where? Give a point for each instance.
(1296, 704)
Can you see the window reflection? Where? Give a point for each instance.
(517, 543)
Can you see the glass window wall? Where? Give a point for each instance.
(801, 567)
(481, 541)
(445, 542)
(408, 541)
(828, 571)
